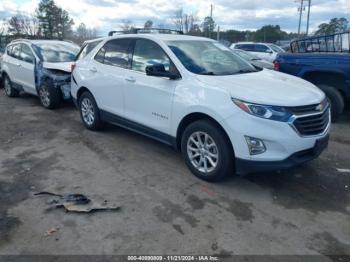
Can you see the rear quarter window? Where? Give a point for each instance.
(86, 49)
(115, 53)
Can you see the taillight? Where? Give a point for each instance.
(72, 67)
(276, 65)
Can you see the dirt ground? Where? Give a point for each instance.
(164, 209)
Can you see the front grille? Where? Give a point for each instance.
(303, 110)
(313, 124)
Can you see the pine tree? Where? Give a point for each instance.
(54, 22)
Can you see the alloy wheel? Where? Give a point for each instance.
(7, 86)
(44, 96)
(87, 111)
(202, 152)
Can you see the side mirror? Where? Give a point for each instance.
(269, 52)
(159, 70)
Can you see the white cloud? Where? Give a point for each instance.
(235, 14)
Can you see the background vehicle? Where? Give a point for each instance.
(254, 60)
(325, 62)
(193, 93)
(39, 67)
(267, 52)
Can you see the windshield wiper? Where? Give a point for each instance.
(207, 73)
(255, 59)
(242, 71)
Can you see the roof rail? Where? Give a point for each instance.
(147, 31)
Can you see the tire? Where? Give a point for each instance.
(219, 146)
(50, 96)
(336, 99)
(89, 112)
(8, 88)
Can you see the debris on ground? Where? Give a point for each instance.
(343, 170)
(51, 231)
(78, 202)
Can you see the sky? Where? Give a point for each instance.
(106, 15)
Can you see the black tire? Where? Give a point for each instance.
(8, 87)
(50, 96)
(96, 123)
(336, 99)
(225, 161)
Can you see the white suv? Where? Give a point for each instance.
(195, 94)
(264, 51)
(39, 67)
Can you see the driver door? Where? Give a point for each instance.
(149, 99)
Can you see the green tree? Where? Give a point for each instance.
(208, 26)
(148, 24)
(54, 22)
(270, 33)
(335, 25)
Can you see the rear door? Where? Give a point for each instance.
(12, 63)
(106, 75)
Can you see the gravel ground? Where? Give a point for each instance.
(164, 209)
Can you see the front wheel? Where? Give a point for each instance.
(336, 99)
(50, 96)
(207, 151)
(89, 112)
(9, 90)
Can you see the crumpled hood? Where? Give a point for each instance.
(267, 87)
(65, 66)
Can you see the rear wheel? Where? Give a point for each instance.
(89, 112)
(50, 96)
(8, 88)
(336, 99)
(207, 151)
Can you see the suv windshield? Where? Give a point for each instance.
(209, 58)
(56, 52)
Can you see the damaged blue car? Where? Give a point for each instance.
(39, 67)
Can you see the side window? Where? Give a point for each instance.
(148, 53)
(9, 50)
(26, 54)
(117, 53)
(261, 48)
(16, 50)
(249, 47)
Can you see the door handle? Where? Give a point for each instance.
(130, 79)
(93, 69)
(18, 65)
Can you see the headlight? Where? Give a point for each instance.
(276, 113)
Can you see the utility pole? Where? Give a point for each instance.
(211, 16)
(218, 34)
(301, 14)
(308, 18)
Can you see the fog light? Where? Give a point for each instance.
(256, 146)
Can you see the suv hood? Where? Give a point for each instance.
(267, 87)
(65, 66)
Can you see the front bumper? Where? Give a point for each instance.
(244, 167)
(285, 148)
